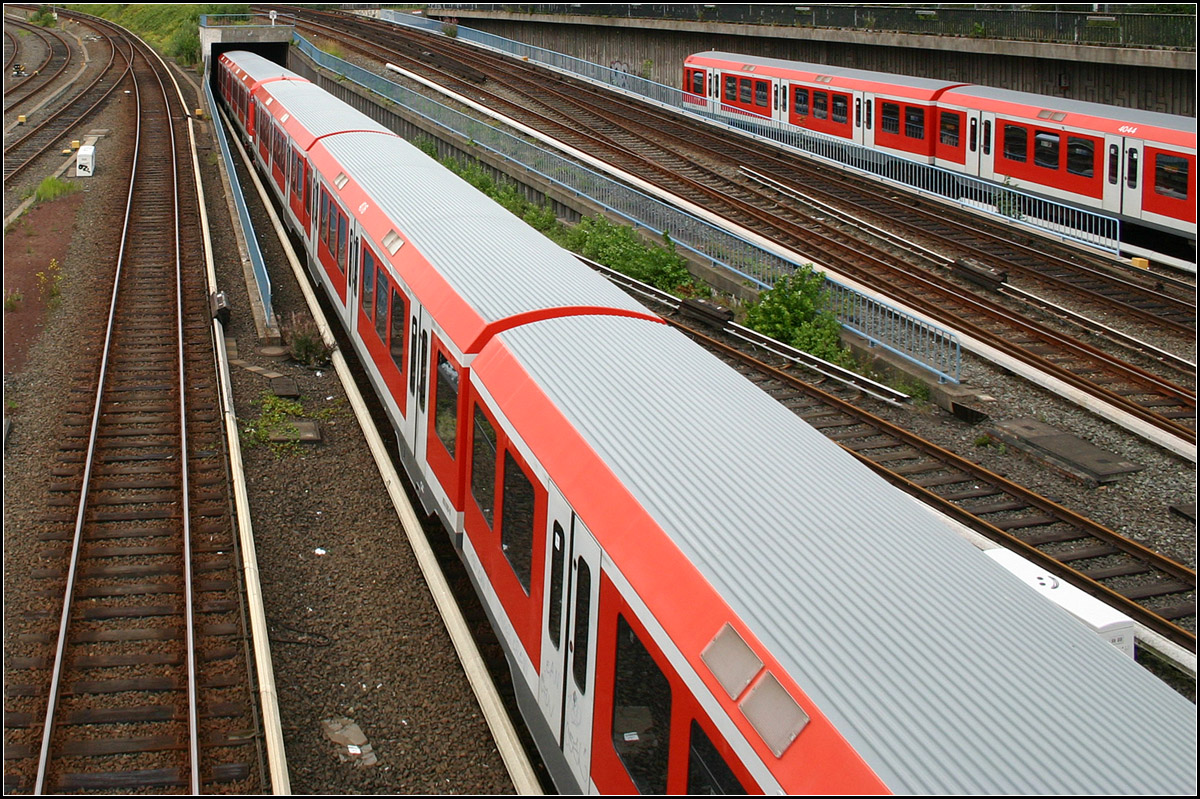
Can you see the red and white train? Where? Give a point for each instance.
(1137, 165)
(696, 591)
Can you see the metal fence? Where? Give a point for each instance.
(915, 339)
(1075, 27)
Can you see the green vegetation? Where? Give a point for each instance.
(51, 188)
(12, 300)
(304, 341)
(44, 16)
(796, 311)
(171, 28)
(50, 284)
(275, 420)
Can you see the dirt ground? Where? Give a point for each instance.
(40, 236)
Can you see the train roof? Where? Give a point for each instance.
(945, 673)
(843, 77)
(1080, 113)
(470, 283)
(258, 69)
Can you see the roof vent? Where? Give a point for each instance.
(775, 715)
(341, 180)
(392, 242)
(731, 661)
(284, 118)
(270, 100)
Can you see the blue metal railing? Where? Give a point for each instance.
(261, 278)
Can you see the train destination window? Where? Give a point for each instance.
(396, 333)
(558, 559)
(446, 411)
(914, 122)
(1016, 143)
(708, 773)
(760, 93)
(381, 301)
(800, 101)
(1171, 176)
(641, 727)
(948, 129)
(841, 106)
(1081, 157)
(582, 626)
(820, 105)
(483, 465)
(368, 279)
(1045, 149)
(517, 520)
(889, 117)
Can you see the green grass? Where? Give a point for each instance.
(51, 188)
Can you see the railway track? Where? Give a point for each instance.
(40, 77)
(651, 144)
(135, 676)
(1153, 590)
(24, 149)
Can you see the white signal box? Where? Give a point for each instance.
(85, 161)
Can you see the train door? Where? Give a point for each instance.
(987, 155)
(974, 130)
(1130, 176)
(568, 665)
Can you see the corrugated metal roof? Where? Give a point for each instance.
(320, 112)
(908, 81)
(259, 68)
(1116, 113)
(943, 671)
(500, 265)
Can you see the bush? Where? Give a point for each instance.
(796, 311)
(304, 341)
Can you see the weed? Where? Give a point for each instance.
(52, 187)
(304, 341)
(12, 300)
(275, 420)
(50, 284)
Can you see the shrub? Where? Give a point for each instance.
(796, 311)
(304, 341)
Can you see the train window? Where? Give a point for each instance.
(1081, 156)
(858, 113)
(582, 627)
(331, 237)
(708, 773)
(517, 520)
(730, 88)
(800, 102)
(914, 122)
(297, 174)
(1016, 143)
(1131, 169)
(870, 118)
(987, 137)
(483, 465)
(697, 82)
(641, 728)
(974, 135)
(368, 279)
(445, 420)
(558, 559)
(341, 251)
(1171, 176)
(382, 289)
(949, 128)
(820, 105)
(889, 117)
(324, 218)
(760, 94)
(744, 90)
(1114, 160)
(1045, 149)
(396, 334)
(841, 107)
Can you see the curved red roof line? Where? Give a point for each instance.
(557, 312)
(352, 130)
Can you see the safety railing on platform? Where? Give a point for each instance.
(875, 319)
(1005, 201)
